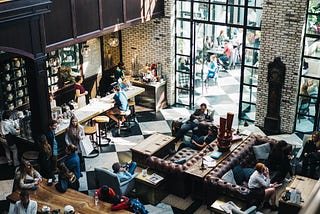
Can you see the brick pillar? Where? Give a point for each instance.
(281, 36)
(153, 42)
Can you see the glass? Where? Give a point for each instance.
(183, 28)
(218, 13)
(200, 11)
(182, 63)
(312, 47)
(183, 9)
(255, 3)
(236, 2)
(248, 111)
(253, 38)
(254, 17)
(219, 1)
(235, 15)
(250, 76)
(183, 46)
(309, 87)
(311, 67)
(183, 80)
(314, 6)
(183, 96)
(313, 24)
(252, 57)
(249, 94)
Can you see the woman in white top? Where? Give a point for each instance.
(75, 132)
(27, 177)
(259, 184)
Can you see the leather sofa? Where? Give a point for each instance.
(242, 156)
(174, 167)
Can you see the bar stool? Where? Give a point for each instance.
(126, 124)
(32, 157)
(92, 130)
(102, 123)
(132, 116)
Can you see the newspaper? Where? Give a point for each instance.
(154, 178)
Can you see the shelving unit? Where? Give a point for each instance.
(14, 84)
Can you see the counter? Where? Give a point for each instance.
(154, 96)
(97, 107)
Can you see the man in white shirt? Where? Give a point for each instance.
(25, 205)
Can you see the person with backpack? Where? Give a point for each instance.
(66, 179)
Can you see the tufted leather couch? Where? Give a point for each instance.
(243, 156)
(177, 182)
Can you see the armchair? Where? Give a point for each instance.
(106, 177)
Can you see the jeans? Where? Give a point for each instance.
(184, 129)
(132, 167)
(14, 151)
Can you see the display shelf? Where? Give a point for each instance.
(14, 85)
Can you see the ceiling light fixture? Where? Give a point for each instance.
(113, 41)
(85, 50)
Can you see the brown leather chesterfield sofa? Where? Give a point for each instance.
(174, 167)
(242, 156)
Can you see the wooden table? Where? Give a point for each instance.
(157, 144)
(49, 196)
(149, 192)
(196, 174)
(94, 109)
(305, 185)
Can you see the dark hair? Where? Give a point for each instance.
(6, 114)
(116, 87)
(24, 193)
(77, 78)
(52, 122)
(203, 104)
(120, 64)
(116, 167)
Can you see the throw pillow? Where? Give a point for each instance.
(238, 174)
(228, 176)
(247, 172)
(261, 152)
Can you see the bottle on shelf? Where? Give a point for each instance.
(96, 198)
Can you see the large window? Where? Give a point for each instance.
(205, 28)
(307, 118)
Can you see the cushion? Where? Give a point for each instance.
(261, 152)
(238, 174)
(247, 172)
(228, 176)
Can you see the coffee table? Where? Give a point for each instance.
(197, 175)
(157, 145)
(305, 185)
(149, 192)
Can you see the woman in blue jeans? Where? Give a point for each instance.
(126, 172)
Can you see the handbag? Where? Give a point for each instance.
(86, 146)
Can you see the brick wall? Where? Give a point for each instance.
(153, 42)
(281, 31)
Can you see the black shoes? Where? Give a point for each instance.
(274, 208)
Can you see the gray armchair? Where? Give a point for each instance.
(107, 177)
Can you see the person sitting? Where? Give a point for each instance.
(279, 161)
(198, 142)
(25, 205)
(27, 177)
(66, 179)
(198, 116)
(224, 59)
(311, 154)
(260, 186)
(126, 172)
(121, 105)
(118, 73)
(72, 160)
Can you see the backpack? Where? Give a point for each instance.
(107, 194)
(137, 207)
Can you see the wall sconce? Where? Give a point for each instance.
(113, 41)
(85, 50)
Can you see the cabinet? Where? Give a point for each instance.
(62, 66)
(14, 85)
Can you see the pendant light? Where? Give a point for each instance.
(113, 41)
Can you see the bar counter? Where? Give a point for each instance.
(97, 107)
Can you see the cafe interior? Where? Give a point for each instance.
(246, 72)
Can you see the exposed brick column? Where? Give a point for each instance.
(281, 36)
(153, 42)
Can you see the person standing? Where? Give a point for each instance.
(25, 205)
(72, 160)
(51, 137)
(9, 129)
(74, 133)
(121, 105)
(80, 92)
(118, 73)
(45, 155)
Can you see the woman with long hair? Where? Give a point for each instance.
(27, 177)
(80, 92)
(67, 179)
(311, 155)
(74, 133)
(45, 158)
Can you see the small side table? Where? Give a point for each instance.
(148, 192)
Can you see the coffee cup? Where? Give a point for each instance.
(144, 172)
